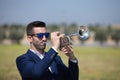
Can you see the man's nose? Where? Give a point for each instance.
(44, 38)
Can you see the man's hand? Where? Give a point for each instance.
(68, 51)
(55, 38)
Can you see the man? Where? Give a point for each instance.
(36, 64)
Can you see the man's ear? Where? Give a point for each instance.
(29, 38)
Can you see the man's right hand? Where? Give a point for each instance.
(55, 39)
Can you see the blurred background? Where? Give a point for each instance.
(98, 56)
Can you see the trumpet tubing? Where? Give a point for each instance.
(82, 33)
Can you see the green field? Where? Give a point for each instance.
(95, 63)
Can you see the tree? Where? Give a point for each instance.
(101, 35)
(16, 33)
(53, 27)
(2, 35)
(116, 36)
(109, 29)
(3, 30)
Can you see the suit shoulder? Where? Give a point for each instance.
(21, 57)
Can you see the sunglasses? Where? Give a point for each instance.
(40, 35)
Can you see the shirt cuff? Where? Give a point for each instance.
(74, 61)
(54, 49)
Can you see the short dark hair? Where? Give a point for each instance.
(33, 24)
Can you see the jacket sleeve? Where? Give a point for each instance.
(28, 68)
(69, 73)
(74, 70)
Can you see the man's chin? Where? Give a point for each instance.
(43, 46)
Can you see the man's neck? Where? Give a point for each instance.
(41, 51)
(38, 50)
(41, 56)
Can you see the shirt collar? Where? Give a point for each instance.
(41, 56)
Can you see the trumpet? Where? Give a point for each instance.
(82, 33)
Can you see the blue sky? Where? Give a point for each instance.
(58, 11)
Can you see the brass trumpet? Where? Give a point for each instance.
(82, 33)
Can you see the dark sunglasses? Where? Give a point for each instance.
(40, 35)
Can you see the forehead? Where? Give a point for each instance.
(39, 29)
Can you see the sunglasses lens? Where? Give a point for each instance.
(47, 35)
(40, 35)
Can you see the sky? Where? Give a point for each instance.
(60, 11)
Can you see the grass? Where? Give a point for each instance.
(95, 63)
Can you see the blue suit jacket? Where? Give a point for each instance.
(31, 67)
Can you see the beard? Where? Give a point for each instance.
(40, 45)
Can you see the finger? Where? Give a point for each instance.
(58, 33)
(61, 35)
(64, 49)
(69, 46)
(70, 49)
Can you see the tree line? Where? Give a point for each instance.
(15, 32)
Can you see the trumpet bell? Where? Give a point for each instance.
(83, 33)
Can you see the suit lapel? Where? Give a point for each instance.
(33, 56)
(37, 59)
